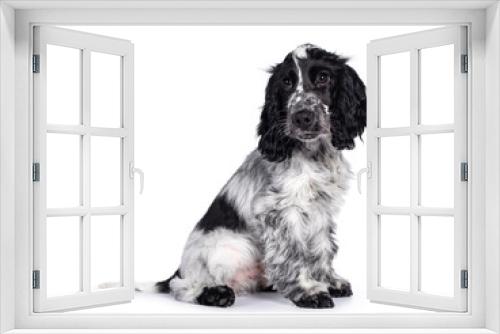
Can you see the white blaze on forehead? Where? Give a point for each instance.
(301, 51)
(298, 54)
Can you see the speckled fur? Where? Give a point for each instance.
(273, 223)
(290, 209)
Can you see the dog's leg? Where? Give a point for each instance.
(302, 289)
(289, 264)
(215, 267)
(312, 293)
(340, 287)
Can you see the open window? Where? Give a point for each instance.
(83, 154)
(16, 94)
(416, 149)
(417, 153)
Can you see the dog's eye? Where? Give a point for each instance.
(287, 82)
(322, 78)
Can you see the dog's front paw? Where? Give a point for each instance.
(318, 300)
(340, 289)
(221, 296)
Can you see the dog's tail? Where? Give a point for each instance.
(164, 286)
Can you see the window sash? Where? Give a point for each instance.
(86, 43)
(412, 43)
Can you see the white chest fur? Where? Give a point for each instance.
(306, 182)
(306, 193)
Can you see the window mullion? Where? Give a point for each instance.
(85, 235)
(414, 171)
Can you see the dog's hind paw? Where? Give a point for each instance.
(318, 300)
(221, 296)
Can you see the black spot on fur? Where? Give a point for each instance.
(221, 214)
(164, 286)
(319, 300)
(221, 296)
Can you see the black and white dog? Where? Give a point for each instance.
(272, 226)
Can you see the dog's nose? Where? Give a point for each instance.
(310, 100)
(304, 119)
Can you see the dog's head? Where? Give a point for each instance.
(312, 94)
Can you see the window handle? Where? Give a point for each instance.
(368, 171)
(133, 170)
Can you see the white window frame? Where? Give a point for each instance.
(86, 44)
(412, 44)
(16, 20)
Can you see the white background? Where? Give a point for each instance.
(198, 94)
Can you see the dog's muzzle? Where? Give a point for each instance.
(307, 112)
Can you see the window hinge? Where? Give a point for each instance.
(465, 64)
(36, 279)
(464, 171)
(36, 63)
(464, 279)
(36, 172)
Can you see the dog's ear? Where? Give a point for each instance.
(348, 111)
(274, 145)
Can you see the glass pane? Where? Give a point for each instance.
(63, 170)
(105, 162)
(395, 252)
(63, 256)
(105, 239)
(105, 90)
(395, 171)
(437, 84)
(63, 85)
(437, 170)
(437, 256)
(395, 90)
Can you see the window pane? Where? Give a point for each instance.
(395, 90)
(105, 250)
(105, 83)
(395, 252)
(437, 84)
(63, 170)
(437, 170)
(105, 155)
(63, 256)
(395, 171)
(63, 85)
(437, 258)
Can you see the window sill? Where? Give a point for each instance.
(253, 331)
